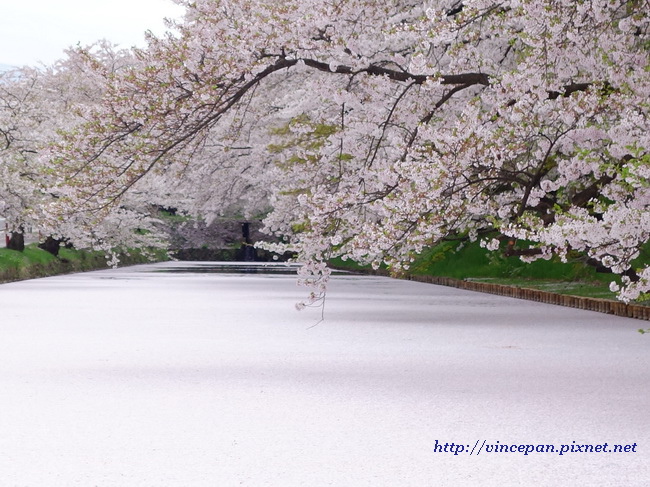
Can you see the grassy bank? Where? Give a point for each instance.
(34, 262)
(472, 263)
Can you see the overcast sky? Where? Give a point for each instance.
(37, 31)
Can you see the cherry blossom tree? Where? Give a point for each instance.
(375, 129)
(19, 128)
(36, 104)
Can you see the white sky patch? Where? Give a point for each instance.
(38, 31)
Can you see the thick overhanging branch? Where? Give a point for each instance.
(583, 197)
(399, 75)
(569, 90)
(464, 80)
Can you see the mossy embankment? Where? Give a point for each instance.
(469, 266)
(34, 262)
(472, 262)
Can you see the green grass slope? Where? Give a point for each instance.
(472, 262)
(34, 262)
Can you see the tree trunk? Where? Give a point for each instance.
(16, 241)
(51, 245)
(247, 252)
